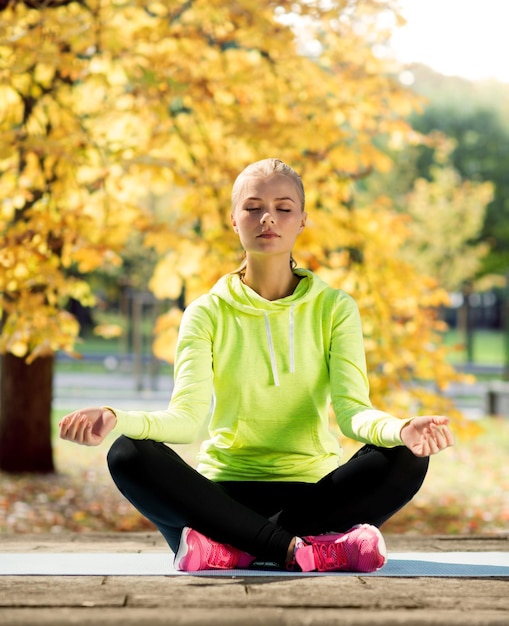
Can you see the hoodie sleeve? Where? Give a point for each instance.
(355, 415)
(191, 399)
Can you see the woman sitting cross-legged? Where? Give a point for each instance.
(269, 348)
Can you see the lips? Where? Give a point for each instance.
(268, 235)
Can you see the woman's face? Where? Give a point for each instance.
(268, 216)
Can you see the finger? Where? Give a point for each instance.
(439, 440)
(432, 445)
(83, 430)
(72, 426)
(440, 420)
(438, 435)
(65, 424)
(66, 420)
(449, 437)
(424, 449)
(71, 418)
(66, 417)
(444, 437)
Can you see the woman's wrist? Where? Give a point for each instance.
(109, 416)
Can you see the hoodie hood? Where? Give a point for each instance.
(241, 297)
(235, 293)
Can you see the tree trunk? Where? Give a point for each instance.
(25, 415)
(466, 322)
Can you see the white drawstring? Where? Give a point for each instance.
(272, 352)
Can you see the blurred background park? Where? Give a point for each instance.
(123, 126)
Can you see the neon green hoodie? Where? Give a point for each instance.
(266, 372)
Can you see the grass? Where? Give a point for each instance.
(466, 491)
(102, 355)
(489, 346)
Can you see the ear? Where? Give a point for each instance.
(303, 221)
(234, 223)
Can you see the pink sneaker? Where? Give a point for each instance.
(197, 552)
(360, 549)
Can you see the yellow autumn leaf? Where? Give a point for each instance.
(108, 331)
(166, 333)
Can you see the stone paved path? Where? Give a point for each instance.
(228, 601)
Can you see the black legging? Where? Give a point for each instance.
(261, 518)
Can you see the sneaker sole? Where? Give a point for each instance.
(182, 550)
(381, 547)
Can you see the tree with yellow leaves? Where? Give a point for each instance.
(103, 104)
(447, 215)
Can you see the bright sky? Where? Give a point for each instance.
(466, 38)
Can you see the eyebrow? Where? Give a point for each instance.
(275, 199)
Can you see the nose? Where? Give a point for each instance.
(267, 217)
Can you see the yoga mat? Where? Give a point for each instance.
(400, 564)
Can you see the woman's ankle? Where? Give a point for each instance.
(291, 551)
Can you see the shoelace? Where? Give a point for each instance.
(220, 556)
(329, 556)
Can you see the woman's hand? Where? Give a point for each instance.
(88, 427)
(427, 435)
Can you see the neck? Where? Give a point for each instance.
(272, 279)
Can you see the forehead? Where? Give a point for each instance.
(268, 188)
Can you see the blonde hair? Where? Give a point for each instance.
(264, 169)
